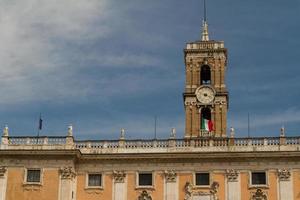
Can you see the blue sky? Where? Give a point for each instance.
(103, 65)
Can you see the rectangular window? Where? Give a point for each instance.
(145, 179)
(94, 180)
(33, 176)
(258, 178)
(202, 179)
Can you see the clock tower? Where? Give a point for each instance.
(205, 96)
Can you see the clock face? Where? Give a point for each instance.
(205, 94)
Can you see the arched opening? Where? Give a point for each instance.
(206, 122)
(205, 75)
(205, 113)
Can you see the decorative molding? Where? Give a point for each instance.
(188, 188)
(32, 187)
(119, 176)
(2, 171)
(190, 101)
(170, 176)
(232, 175)
(67, 173)
(283, 174)
(93, 190)
(144, 196)
(191, 192)
(214, 190)
(259, 195)
(220, 102)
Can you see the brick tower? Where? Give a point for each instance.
(205, 96)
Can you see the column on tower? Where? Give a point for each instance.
(217, 120)
(217, 75)
(224, 118)
(188, 78)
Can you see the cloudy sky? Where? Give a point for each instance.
(103, 65)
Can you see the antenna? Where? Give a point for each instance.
(204, 36)
(248, 125)
(204, 10)
(155, 119)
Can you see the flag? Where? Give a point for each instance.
(40, 123)
(207, 125)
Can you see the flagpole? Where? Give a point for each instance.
(155, 119)
(39, 128)
(248, 125)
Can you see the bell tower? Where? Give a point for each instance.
(205, 96)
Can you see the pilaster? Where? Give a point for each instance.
(171, 185)
(285, 184)
(233, 185)
(3, 182)
(4, 139)
(120, 185)
(67, 183)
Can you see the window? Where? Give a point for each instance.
(202, 179)
(258, 178)
(33, 176)
(206, 117)
(205, 75)
(94, 180)
(145, 179)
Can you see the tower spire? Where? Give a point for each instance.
(205, 36)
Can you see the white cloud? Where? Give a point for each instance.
(29, 64)
(35, 59)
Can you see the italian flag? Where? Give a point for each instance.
(206, 125)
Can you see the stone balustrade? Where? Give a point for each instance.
(152, 146)
(36, 140)
(205, 45)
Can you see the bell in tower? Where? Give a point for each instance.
(205, 96)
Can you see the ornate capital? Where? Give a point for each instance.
(283, 174)
(232, 175)
(67, 173)
(144, 196)
(2, 171)
(170, 176)
(259, 195)
(190, 101)
(119, 176)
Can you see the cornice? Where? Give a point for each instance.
(196, 156)
(225, 155)
(57, 153)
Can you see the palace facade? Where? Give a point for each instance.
(205, 164)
